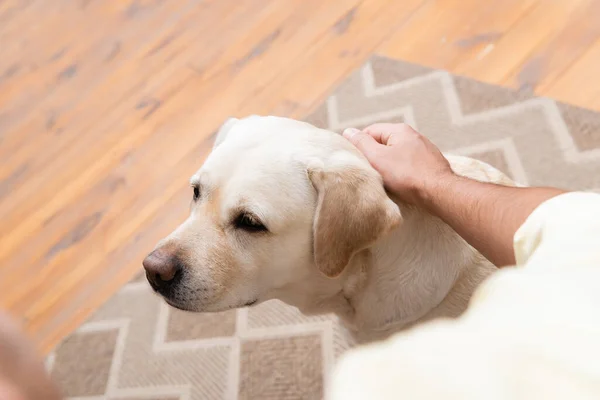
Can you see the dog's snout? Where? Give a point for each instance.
(161, 268)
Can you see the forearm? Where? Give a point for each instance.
(484, 214)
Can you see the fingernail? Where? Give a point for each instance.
(349, 132)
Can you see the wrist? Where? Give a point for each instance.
(428, 191)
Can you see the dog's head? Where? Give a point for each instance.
(276, 203)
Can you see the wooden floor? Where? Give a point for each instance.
(107, 107)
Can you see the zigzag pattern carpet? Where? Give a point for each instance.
(135, 347)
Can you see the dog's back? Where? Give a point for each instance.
(478, 170)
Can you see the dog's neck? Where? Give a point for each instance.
(420, 270)
(412, 270)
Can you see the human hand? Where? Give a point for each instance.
(22, 372)
(408, 162)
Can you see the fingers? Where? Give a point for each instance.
(384, 132)
(363, 141)
(387, 134)
(390, 134)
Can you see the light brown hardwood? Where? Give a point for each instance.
(107, 107)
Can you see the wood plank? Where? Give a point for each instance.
(14, 14)
(101, 60)
(578, 85)
(307, 83)
(442, 34)
(567, 43)
(97, 20)
(526, 45)
(510, 51)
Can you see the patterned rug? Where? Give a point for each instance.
(135, 347)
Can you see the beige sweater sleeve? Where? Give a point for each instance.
(531, 332)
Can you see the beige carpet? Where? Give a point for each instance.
(135, 347)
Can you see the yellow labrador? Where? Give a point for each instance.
(284, 210)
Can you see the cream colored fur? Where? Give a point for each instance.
(336, 241)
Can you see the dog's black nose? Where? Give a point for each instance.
(162, 269)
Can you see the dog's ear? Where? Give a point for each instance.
(224, 130)
(353, 211)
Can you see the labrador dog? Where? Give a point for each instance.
(284, 210)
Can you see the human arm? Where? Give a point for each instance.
(486, 215)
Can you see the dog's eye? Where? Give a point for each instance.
(196, 193)
(249, 222)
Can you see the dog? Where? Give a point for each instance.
(284, 210)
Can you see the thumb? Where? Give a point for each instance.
(363, 141)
